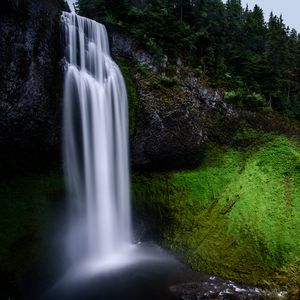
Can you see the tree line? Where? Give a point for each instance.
(254, 61)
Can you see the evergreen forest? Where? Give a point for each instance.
(253, 60)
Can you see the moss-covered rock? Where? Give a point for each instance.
(237, 215)
(28, 207)
(127, 71)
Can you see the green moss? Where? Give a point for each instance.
(268, 206)
(238, 215)
(132, 95)
(25, 202)
(249, 137)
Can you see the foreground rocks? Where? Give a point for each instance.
(200, 286)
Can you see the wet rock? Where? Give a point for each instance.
(214, 288)
(121, 45)
(172, 130)
(30, 78)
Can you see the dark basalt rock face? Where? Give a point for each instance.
(172, 133)
(30, 79)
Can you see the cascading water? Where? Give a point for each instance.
(95, 142)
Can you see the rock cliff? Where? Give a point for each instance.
(30, 79)
(174, 114)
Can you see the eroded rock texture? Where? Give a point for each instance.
(30, 79)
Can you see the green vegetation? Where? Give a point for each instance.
(256, 63)
(132, 96)
(237, 215)
(26, 205)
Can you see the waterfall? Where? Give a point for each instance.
(95, 142)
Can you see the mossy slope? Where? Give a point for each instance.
(238, 215)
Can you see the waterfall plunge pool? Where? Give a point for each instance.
(144, 272)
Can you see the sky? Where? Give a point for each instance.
(290, 10)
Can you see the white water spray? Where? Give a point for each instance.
(95, 143)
